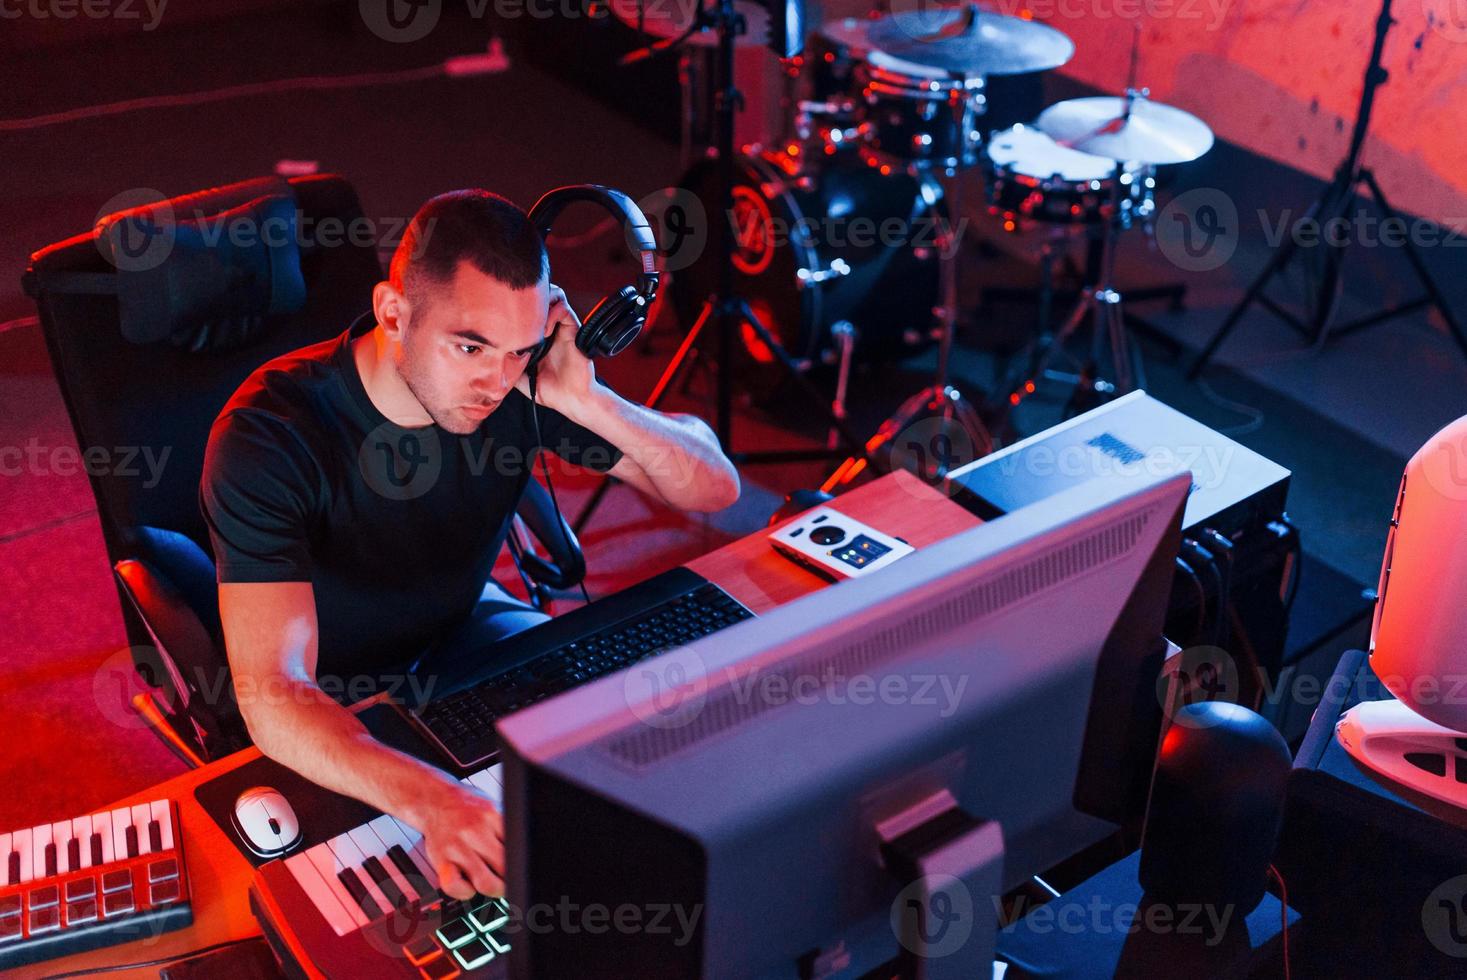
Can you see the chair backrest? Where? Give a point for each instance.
(161, 396)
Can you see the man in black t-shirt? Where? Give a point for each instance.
(357, 492)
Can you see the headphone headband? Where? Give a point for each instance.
(618, 318)
(634, 223)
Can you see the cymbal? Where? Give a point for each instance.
(1155, 133)
(853, 33)
(963, 40)
(664, 21)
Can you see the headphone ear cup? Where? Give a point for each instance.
(612, 323)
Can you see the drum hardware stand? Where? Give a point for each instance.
(1101, 305)
(845, 339)
(686, 82)
(1333, 203)
(725, 309)
(939, 401)
(1045, 294)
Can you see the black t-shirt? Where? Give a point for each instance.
(396, 529)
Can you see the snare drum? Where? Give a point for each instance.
(1031, 177)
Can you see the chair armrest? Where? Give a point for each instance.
(197, 670)
(566, 565)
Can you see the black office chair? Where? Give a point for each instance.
(146, 353)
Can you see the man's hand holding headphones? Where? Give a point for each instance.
(564, 377)
(675, 458)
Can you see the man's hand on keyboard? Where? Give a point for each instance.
(464, 837)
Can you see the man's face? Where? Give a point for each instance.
(467, 343)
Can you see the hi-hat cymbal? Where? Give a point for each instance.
(1155, 133)
(964, 40)
(664, 21)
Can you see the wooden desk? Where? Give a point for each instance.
(748, 569)
(899, 504)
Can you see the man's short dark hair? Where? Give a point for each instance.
(489, 231)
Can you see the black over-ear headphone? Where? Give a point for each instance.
(615, 321)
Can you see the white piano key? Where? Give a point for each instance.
(350, 855)
(102, 827)
(22, 843)
(391, 832)
(121, 820)
(308, 876)
(327, 863)
(61, 835)
(81, 829)
(412, 833)
(419, 853)
(40, 837)
(489, 786)
(142, 814)
(163, 813)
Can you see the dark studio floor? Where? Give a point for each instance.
(1344, 421)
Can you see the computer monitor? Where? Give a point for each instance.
(722, 809)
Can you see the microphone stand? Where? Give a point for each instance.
(1332, 204)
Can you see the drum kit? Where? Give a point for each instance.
(882, 115)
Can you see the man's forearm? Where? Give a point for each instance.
(310, 733)
(679, 454)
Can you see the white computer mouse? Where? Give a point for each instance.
(265, 822)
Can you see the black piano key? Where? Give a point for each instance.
(155, 836)
(96, 850)
(411, 872)
(131, 836)
(12, 872)
(50, 859)
(73, 854)
(358, 891)
(385, 884)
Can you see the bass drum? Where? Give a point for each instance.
(816, 246)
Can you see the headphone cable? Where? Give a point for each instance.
(549, 484)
